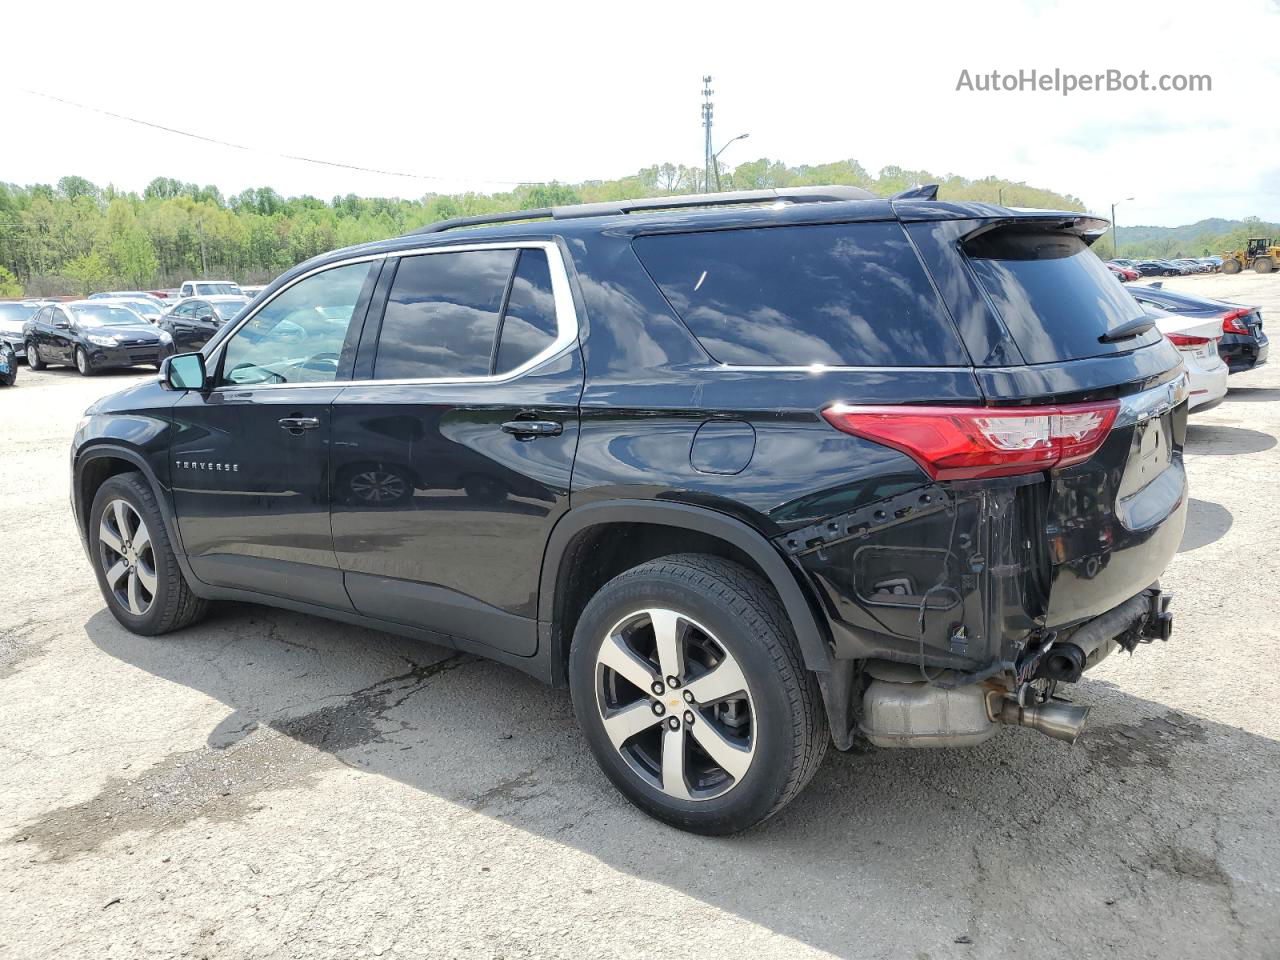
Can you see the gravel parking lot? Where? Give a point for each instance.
(271, 785)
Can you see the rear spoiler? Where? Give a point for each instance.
(1085, 226)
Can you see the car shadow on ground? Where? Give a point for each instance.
(1097, 840)
(1215, 440)
(1253, 394)
(1207, 522)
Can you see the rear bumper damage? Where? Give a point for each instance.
(899, 710)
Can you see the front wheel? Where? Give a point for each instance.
(134, 561)
(692, 694)
(83, 366)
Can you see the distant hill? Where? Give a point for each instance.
(1214, 235)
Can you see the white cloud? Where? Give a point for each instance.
(479, 93)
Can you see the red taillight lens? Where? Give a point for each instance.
(965, 443)
(1234, 322)
(1182, 340)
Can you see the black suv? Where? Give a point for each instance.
(747, 472)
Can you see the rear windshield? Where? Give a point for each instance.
(17, 311)
(1055, 296)
(839, 295)
(213, 289)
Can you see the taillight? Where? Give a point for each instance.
(1182, 340)
(965, 443)
(1234, 322)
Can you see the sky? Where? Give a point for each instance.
(479, 95)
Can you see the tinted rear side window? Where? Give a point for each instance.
(529, 325)
(442, 315)
(1054, 295)
(841, 295)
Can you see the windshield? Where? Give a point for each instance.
(142, 306)
(226, 309)
(213, 289)
(1055, 296)
(16, 313)
(96, 316)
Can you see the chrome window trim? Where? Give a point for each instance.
(566, 317)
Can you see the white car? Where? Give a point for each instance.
(1197, 341)
(209, 288)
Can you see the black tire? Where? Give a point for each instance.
(1230, 266)
(1264, 265)
(33, 357)
(744, 614)
(84, 366)
(173, 605)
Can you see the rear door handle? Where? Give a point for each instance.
(298, 424)
(528, 429)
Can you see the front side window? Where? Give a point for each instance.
(298, 336)
(442, 315)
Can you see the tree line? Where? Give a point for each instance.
(74, 237)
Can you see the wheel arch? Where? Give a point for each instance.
(95, 464)
(583, 527)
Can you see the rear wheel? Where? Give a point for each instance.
(33, 357)
(134, 561)
(83, 366)
(693, 697)
(1264, 265)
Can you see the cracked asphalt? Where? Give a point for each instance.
(270, 785)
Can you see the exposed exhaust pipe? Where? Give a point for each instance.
(1062, 721)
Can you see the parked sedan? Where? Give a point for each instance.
(1123, 274)
(91, 336)
(13, 317)
(1197, 341)
(1242, 346)
(195, 320)
(130, 295)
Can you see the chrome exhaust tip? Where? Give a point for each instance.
(1062, 721)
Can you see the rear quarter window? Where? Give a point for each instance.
(836, 295)
(1054, 295)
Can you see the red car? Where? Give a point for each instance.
(1123, 274)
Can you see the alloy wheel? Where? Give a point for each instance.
(127, 557)
(82, 362)
(378, 486)
(675, 704)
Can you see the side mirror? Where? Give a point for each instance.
(62, 325)
(183, 372)
(208, 318)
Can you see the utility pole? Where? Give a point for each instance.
(707, 107)
(1115, 244)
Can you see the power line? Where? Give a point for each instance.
(286, 156)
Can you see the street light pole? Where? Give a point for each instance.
(1115, 244)
(715, 160)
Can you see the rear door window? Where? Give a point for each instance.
(838, 295)
(529, 324)
(442, 313)
(1054, 295)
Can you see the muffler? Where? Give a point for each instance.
(896, 713)
(1062, 721)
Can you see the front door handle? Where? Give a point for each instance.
(298, 424)
(528, 429)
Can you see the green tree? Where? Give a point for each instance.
(9, 285)
(89, 273)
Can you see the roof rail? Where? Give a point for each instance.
(683, 201)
